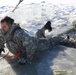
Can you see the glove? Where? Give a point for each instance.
(2, 50)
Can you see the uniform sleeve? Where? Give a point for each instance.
(2, 41)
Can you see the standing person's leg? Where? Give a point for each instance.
(41, 32)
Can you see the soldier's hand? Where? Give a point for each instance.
(2, 50)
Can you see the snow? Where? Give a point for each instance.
(39, 13)
(32, 17)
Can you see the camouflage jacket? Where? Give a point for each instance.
(19, 41)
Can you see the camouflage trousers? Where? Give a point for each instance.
(47, 43)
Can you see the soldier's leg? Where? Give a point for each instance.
(69, 42)
(41, 32)
(66, 41)
(45, 43)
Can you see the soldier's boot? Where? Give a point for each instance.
(41, 32)
(47, 26)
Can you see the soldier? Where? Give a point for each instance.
(19, 42)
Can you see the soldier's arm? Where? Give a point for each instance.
(1, 42)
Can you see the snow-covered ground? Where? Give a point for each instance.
(32, 17)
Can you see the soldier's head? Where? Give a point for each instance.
(6, 23)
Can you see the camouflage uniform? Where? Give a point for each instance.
(27, 45)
